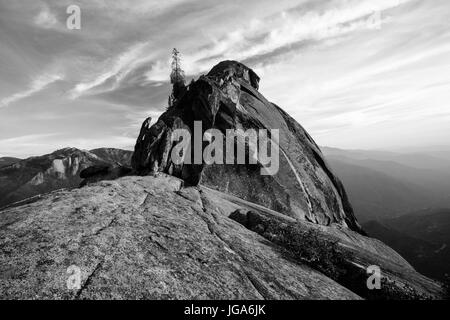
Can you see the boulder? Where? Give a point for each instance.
(99, 173)
(94, 170)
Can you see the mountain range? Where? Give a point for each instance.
(6, 161)
(22, 179)
(401, 199)
(422, 238)
(383, 185)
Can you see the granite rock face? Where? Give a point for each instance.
(144, 238)
(152, 238)
(227, 97)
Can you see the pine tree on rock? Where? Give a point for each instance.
(177, 78)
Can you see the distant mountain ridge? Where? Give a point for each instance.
(420, 160)
(422, 237)
(381, 188)
(6, 161)
(397, 197)
(114, 155)
(26, 178)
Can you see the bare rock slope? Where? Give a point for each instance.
(145, 237)
(150, 237)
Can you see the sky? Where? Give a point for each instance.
(357, 74)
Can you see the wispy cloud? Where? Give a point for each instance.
(282, 31)
(45, 18)
(23, 145)
(38, 84)
(114, 71)
(355, 73)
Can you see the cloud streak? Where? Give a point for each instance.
(37, 85)
(115, 71)
(282, 31)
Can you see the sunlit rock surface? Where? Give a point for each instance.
(151, 238)
(227, 97)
